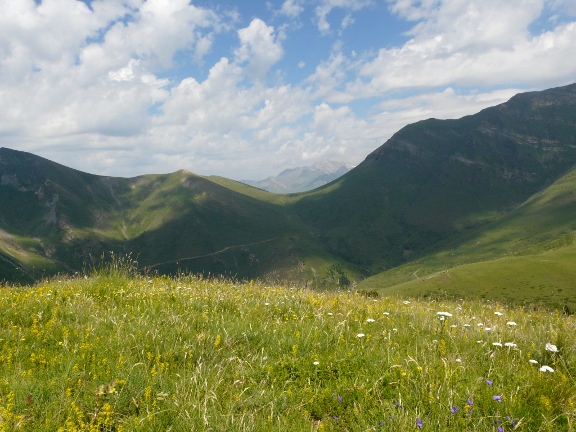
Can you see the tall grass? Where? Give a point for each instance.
(132, 353)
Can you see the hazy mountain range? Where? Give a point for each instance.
(485, 189)
(303, 179)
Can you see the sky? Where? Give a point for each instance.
(245, 89)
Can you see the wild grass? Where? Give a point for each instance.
(117, 351)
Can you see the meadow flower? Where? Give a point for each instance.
(498, 313)
(533, 361)
(480, 325)
(316, 363)
(454, 409)
(444, 314)
(339, 398)
(360, 335)
(497, 398)
(551, 348)
(466, 325)
(498, 344)
(419, 423)
(487, 328)
(488, 382)
(370, 320)
(510, 344)
(386, 313)
(330, 314)
(546, 369)
(458, 360)
(406, 302)
(511, 324)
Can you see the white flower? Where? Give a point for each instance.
(370, 320)
(511, 323)
(406, 302)
(458, 360)
(551, 348)
(546, 369)
(360, 335)
(453, 326)
(466, 325)
(480, 324)
(498, 313)
(386, 313)
(394, 329)
(533, 361)
(498, 344)
(487, 328)
(266, 304)
(510, 344)
(446, 314)
(330, 314)
(316, 363)
(479, 341)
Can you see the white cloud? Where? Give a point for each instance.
(326, 6)
(259, 49)
(102, 96)
(291, 8)
(469, 43)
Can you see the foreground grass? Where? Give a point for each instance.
(112, 352)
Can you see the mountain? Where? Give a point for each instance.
(438, 195)
(56, 219)
(438, 178)
(302, 178)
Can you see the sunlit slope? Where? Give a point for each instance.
(548, 279)
(435, 179)
(536, 244)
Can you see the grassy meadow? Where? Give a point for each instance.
(117, 351)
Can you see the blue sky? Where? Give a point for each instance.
(247, 89)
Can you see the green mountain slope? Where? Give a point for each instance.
(529, 254)
(435, 179)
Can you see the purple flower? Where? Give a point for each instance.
(488, 382)
(455, 409)
(497, 398)
(469, 401)
(500, 429)
(339, 398)
(419, 423)
(335, 418)
(512, 421)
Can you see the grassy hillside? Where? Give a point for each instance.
(536, 244)
(116, 351)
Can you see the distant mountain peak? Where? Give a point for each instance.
(302, 179)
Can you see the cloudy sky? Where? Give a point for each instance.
(247, 88)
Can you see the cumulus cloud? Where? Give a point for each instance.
(468, 43)
(291, 8)
(326, 6)
(133, 86)
(259, 48)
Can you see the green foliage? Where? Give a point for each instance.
(117, 351)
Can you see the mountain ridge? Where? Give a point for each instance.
(431, 183)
